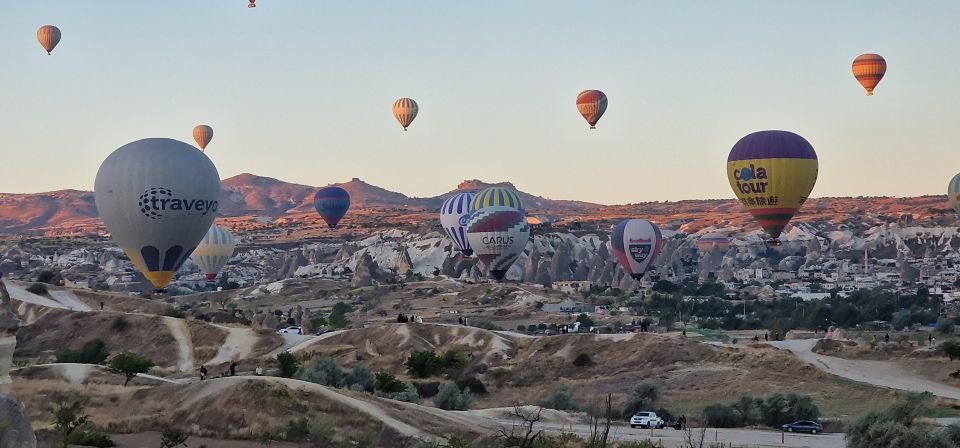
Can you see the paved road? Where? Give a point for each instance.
(878, 373)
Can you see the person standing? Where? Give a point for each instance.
(930, 340)
(886, 338)
(203, 373)
(233, 368)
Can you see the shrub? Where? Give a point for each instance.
(427, 389)
(585, 321)
(778, 409)
(361, 376)
(46, 277)
(93, 352)
(642, 396)
(951, 348)
(473, 384)
(387, 383)
(119, 324)
(408, 394)
(484, 324)
(582, 360)
(37, 288)
(129, 364)
(423, 364)
(91, 438)
(561, 398)
(288, 364)
(897, 426)
(338, 315)
(522, 328)
(454, 358)
(172, 438)
(721, 416)
(324, 371)
(173, 312)
(450, 398)
(944, 325)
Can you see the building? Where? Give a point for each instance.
(572, 286)
(566, 306)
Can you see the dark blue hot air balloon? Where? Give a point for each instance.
(331, 204)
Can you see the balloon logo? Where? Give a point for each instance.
(636, 243)
(202, 134)
(331, 204)
(157, 197)
(498, 236)
(869, 69)
(592, 104)
(49, 37)
(405, 110)
(772, 173)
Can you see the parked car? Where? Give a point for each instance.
(290, 330)
(646, 419)
(803, 426)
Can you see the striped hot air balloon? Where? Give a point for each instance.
(252, 4)
(49, 37)
(869, 69)
(498, 235)
(636, 243)
(203, 134)
(953, 193)
(454, 215)
(772, 173)
(214, 251)
(708, 241)
(497, 196)
(592, 104)
(332, 204)
(405, 110)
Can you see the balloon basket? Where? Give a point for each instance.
(773, 243)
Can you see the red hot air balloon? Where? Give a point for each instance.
(592, 104)
(253, 4)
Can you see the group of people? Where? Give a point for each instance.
(462, 320)
(233, 370)
(403, 318)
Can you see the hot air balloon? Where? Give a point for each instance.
(636, 243)
(157, 197)
(214, 251)
(454, 215)
(592, 104)
(405, 110)
(253, 4)
(869, 69)
(772, 173)
(49, 37)
(496, 196)
(498, 236)
(203, 134)
(331, 204)
(708, 241)
(953, 193)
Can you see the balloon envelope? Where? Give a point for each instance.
(592, 104)
(332, 204)
(405, 110)
(496, 196)
(636, 243)
(869, 69)
(706, 242)
(203, 134)
(454, 215)
(953, 193)
(214, 251)
(49, 37)
(772, 173)
(157, 197)
(498, 236)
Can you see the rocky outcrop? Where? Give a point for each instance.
(15, 431)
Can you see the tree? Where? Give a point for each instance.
(561, 398)
(223, 300)
(324, 371)
(450, 398)
(585, 321)
(129, 364)
(93, 352)
(423, 364)
(951, 348)
(338, 315)
(37, 288)
(68, 417)
(288, 364)
(898, 425)
(522, 435)
(642, 396)
(172, 438)
(387, 383)
(361, 376)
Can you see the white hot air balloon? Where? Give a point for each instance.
(454, 215)
(203, 134)
(498, 236)
(49, 37)
(157, 197)
(405, 110)
(636, 243)
(214, 251)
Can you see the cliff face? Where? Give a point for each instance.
(15, 431)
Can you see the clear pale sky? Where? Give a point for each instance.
(301, 91)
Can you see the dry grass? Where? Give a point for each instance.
(206, 339)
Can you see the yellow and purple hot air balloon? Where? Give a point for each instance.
(869, 69)
(592, 104)
(772, 174)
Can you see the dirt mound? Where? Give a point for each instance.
(388, 346)
(876, 351)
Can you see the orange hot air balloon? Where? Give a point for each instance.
(405, 110)
(869, 68)
(49, 37)
(592, 104)
(203, 134)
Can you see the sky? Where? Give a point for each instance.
(302, 90)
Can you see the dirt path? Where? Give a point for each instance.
(178, 328)
(69, 300)
(21, 294)
(238, 345)
(878, 373)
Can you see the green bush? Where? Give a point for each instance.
(427, 389)
(37, 288)
(93, 352)
(585, 321)
(454, 358)
(642, 396)
(423, 364)
(361, 376)
(898, 426)
(721, 416)
(387, 383)
(323, 371)
(408, 394)
(46, 277)
(778, 409)
(951, 348)
(561, 398)
(473, 384)
(450, 398)
(582, 360)
(173, 312)
(91, 438)
(119, 324)
(338, 315)
(129, 364)
(288, 364)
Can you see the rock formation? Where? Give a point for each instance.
(15, 431)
